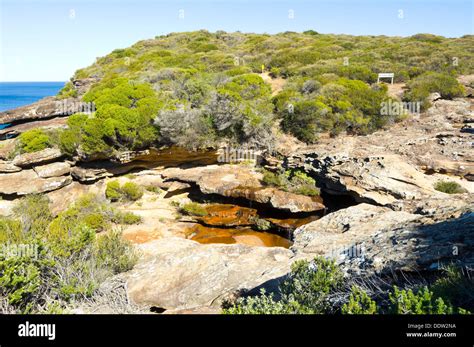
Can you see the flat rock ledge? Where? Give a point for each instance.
(181, 274)
(238, 181)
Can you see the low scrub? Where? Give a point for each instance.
(58, 261)
(129, 191)
(193, 209)
(294, 181)
(319, 287)
(449, 187)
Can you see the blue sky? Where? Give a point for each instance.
(47, 40)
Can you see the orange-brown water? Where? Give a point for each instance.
(247, 236)
(227, 223)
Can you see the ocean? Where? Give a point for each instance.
(16, 94)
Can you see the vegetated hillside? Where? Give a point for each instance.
(197, 89)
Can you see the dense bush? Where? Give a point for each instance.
(304, 290)
(432, 82)
(199, 89)
(359, 303)
(65, 261)
(33, 141)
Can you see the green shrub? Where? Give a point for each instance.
(430, 82)
(33, 141)
(67, 91)
(423, 302)
(153, 189)
(193, 209)
(304, 291)
(132, 191)
(113, 191)
(455, 286)
(129, 191)
(359, 303)
(295, 181)
(113, 252)
(67, 261)
(126, 218)
(449, 187)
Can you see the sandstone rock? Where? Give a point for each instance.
(40, 157)
(45, 108)
(340, 230)
(182, 274)
(55, 123)
(7, 146)
(376, 179)
(6, 167)
(367, 239)
(27, 182)
(242, 182)
(88, 174)
(53, 170)
(62, 198)
(6, 207)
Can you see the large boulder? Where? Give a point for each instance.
(35, 158)
(238, 181)
(28, 182)
(177, 273)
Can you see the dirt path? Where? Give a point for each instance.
(276, 84)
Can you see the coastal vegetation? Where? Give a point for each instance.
(129, 191)
(68, 255)
(197, 89)
(294, 181)
(449, 187)
(319, 287)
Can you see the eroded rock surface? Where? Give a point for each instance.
(36, 158)
(367, 239)
(183, 274)
(238, 181)
(28, 182)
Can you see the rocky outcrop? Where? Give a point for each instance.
(36, 158)
(83, 85)
(45, 108)
(381, 179)
(87, 175)
(53, 169)
(7, 167)
(28, 182)
(47, 124)
(182, 274)
(242, 182)
(391, 167)
(367, 239)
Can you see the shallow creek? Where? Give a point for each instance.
(227, 220)
(228, 223)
